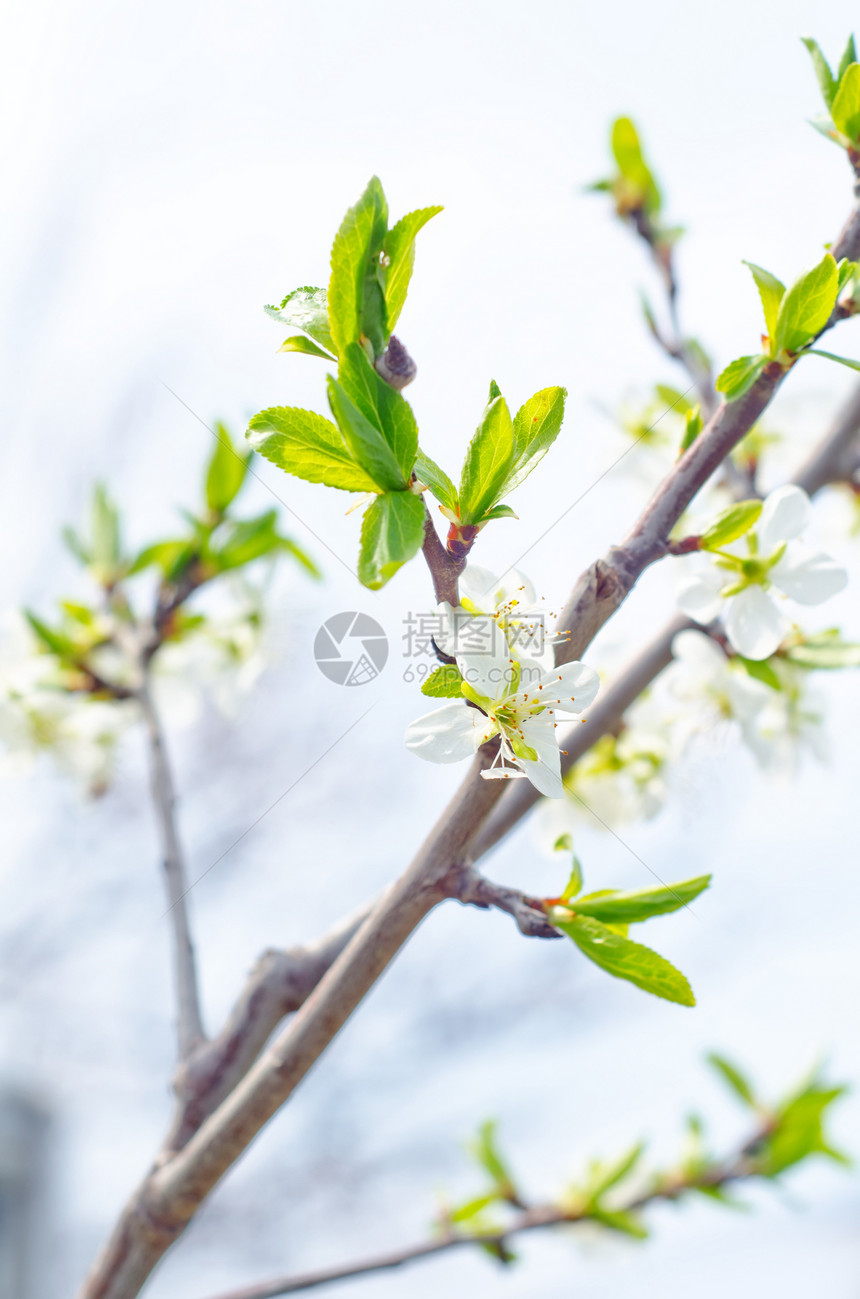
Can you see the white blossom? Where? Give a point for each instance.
(743, 582)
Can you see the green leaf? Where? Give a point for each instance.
(842, 360)
(628, 155)
(760, 670)
(731, 524)
(306, 309)
(391, 533)
(106, 546)
(381, 405)
(301, 557)
(694, 426)
(733, 1078)
(355, 300)
(366, 442)
(623, 1220)
(399, 248)
(771, 291)
(799, 1130)
(249, 540)
(536, 426)
(825, 651)
(849, 56)
(641, 904)
(486, 1151)
(170, 556)
(75, 545)
(607, 1176)
(428, 472)
(847, 270)
(673, 398)
(845, 109)
(625, 959)
(825, 77)
(574, 883)
(52, 640)
(488, 461)
(499, 512)
(225, 472)
(298, 343)
(806, 307)
(472, 1207)
(308, 446)
(443, 682)
(739, 376)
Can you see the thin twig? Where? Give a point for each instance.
(444, 568)
(712, 1177)
(189, 1020)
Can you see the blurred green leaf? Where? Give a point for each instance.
(309, 446)
(225, 472)
(730, 524)
(622, 1220)
(485, 1150)
(625, 959)
(170, 556)
(391, 533)
(826, 80)
(692, 429)
(849, 56)
(298, 343)
(733, 1078)
(105, 543)
(798, 1130)
(827, 650)
(54, 641)
(830, 356)
(640, 187)
(760, 670)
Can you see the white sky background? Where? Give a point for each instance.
(172, 167)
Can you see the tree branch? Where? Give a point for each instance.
(170, 1196)
(189, 1020)
(471, 888)
(444, 568)
(712, 1177)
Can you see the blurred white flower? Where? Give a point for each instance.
(791, 722)
(509, 604)
(712, 687)
(740, 581)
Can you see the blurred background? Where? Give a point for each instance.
(170, 169)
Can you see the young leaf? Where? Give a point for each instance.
(536, 426)
(826, 80)
(739, 376)
(172, 557)
(625, 959)
(306, 309)
(499, 512)
(629, 1224)
(830, 356)
(381, 405)
(488, 461)
(225, 472)
(52, 640)
(642, 187)
(308, 446)
(249, 539)
(825, 651)
(391, 533)
(799, 1130)
(429, 473)
(298, 343)
(806, 307)
(731, 524)
(443, 682)
(733, 1078)
(849, 56)
(845, 109)
(610, 1175)
(106, 546)
(399, 248)
(366, 442)
(771, 291)
(355, 301)
(486, 1151)
(642, 904)
(760, 670)
(693, 428)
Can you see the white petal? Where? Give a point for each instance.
(448, 734)
(477, 585)
(754, 625)
(699, 597)
(570, 688)
(696, 650)
(491, 674)
(545, 774)
(808, 577)
(784, 515)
